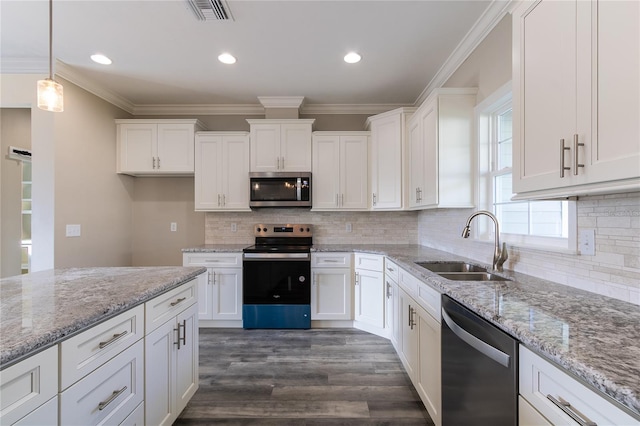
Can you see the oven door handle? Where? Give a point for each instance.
(271, 256)
(479, 345)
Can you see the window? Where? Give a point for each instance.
(525, 223)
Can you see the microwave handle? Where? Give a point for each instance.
(299, 189)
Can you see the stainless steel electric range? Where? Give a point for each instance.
(276, 282)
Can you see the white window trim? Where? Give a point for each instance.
(482, 232)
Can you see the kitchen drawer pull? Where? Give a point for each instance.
(571, 411)
(471, 340)
(388, 290)
(576, 163)
(562, 150)
(182, 299)
(213, 260)
(330, 261)
(113, 396)
(357, 278)
(114, 339)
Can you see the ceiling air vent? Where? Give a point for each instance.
(210, 10)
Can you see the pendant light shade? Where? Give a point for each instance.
(49, 91)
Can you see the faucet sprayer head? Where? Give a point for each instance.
(466, 232)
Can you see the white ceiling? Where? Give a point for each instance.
(163, 55)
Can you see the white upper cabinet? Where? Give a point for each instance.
(576, 98)
(222, 171)
(280, 145)
(156, 147)
(340, 170)
(439, 151)
(387, 146)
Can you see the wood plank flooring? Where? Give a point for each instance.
(301, 377)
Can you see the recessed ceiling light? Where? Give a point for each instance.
(227, 58)
(101, 59)
(352, 58)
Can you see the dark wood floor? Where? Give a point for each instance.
(301, 377)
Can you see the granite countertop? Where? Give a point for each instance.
(594, 337)
(216, 248)
(40, 309)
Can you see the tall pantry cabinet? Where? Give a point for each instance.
(576, 97)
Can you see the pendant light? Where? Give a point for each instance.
(49, 91)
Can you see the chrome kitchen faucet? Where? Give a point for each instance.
(499, 255)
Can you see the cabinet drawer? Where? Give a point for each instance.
(370, 262)
(46, 414)
(28, 384)
(213, 260)
(408, 282)
(540, 381)
(136, 418)
(162, 308)
(391, 269)
(109, 394)
(86, 351)
(429, 299)
(331, 260)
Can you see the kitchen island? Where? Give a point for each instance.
(98, 345)
(592, 337)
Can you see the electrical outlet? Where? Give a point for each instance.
(73, 230)
(234, 227)
(349, 227)
(587, 242)
(174, 226)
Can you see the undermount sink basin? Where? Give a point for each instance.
(461, 271)
(472, 276)
(451, 267)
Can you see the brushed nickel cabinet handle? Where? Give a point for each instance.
(576, 163)
(357, 278)
(337, 202)
(113, 396)
(374, 199)
(218, 200)
(282, 163)
(114, 339)
(154, 162)
(562, 150)
(178, 301)
(570, 411)
(184, 333)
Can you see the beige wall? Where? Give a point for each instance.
(489, 65)
(15, 130)
(158, 202)
(88, 192)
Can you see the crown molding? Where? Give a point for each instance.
(199, 109)
(281, 101)
(483, 26)
(319, 109)
(68, 73)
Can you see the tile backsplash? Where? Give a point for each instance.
(613, 271)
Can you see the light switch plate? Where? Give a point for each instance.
(73, 230)
(174, 226)
(587, 242)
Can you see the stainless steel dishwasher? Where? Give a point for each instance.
(479, 370)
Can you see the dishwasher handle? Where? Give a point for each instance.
(482, 347)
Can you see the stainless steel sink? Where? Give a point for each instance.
(461, 271)
(472, 276)
(451, 267)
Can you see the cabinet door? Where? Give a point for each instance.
(295, 147)
(159, 368)
(370, 297)
(235, 155)
(430, 136)
(409, 334)
(186, 366)
(175, 148)
(265, 148)
(208, 172)
(544, 96)
(326, 172)
(331, 294)
(137, 145)
(227, 294)
(416, 163)
(428, 372)
(386, 163)
(615, 148)
(390, 308)
(354, 172)
(205, 295)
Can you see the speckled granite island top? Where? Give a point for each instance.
(595, 338)
(43, 308)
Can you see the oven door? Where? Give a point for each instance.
(269, 279)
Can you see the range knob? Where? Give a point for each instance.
(301, 229)
(308, 230)
(264, 229)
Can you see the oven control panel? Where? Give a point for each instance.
(291, 230)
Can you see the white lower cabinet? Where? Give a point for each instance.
(171, 367)
(331, 291)
(528, 416)
(107, 395)
(391, 324)
(369, 292)
(561, 399)
(46, 414)
(220, 289)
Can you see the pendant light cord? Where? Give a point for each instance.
(51, 39)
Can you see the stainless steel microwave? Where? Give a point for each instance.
(280, 189)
